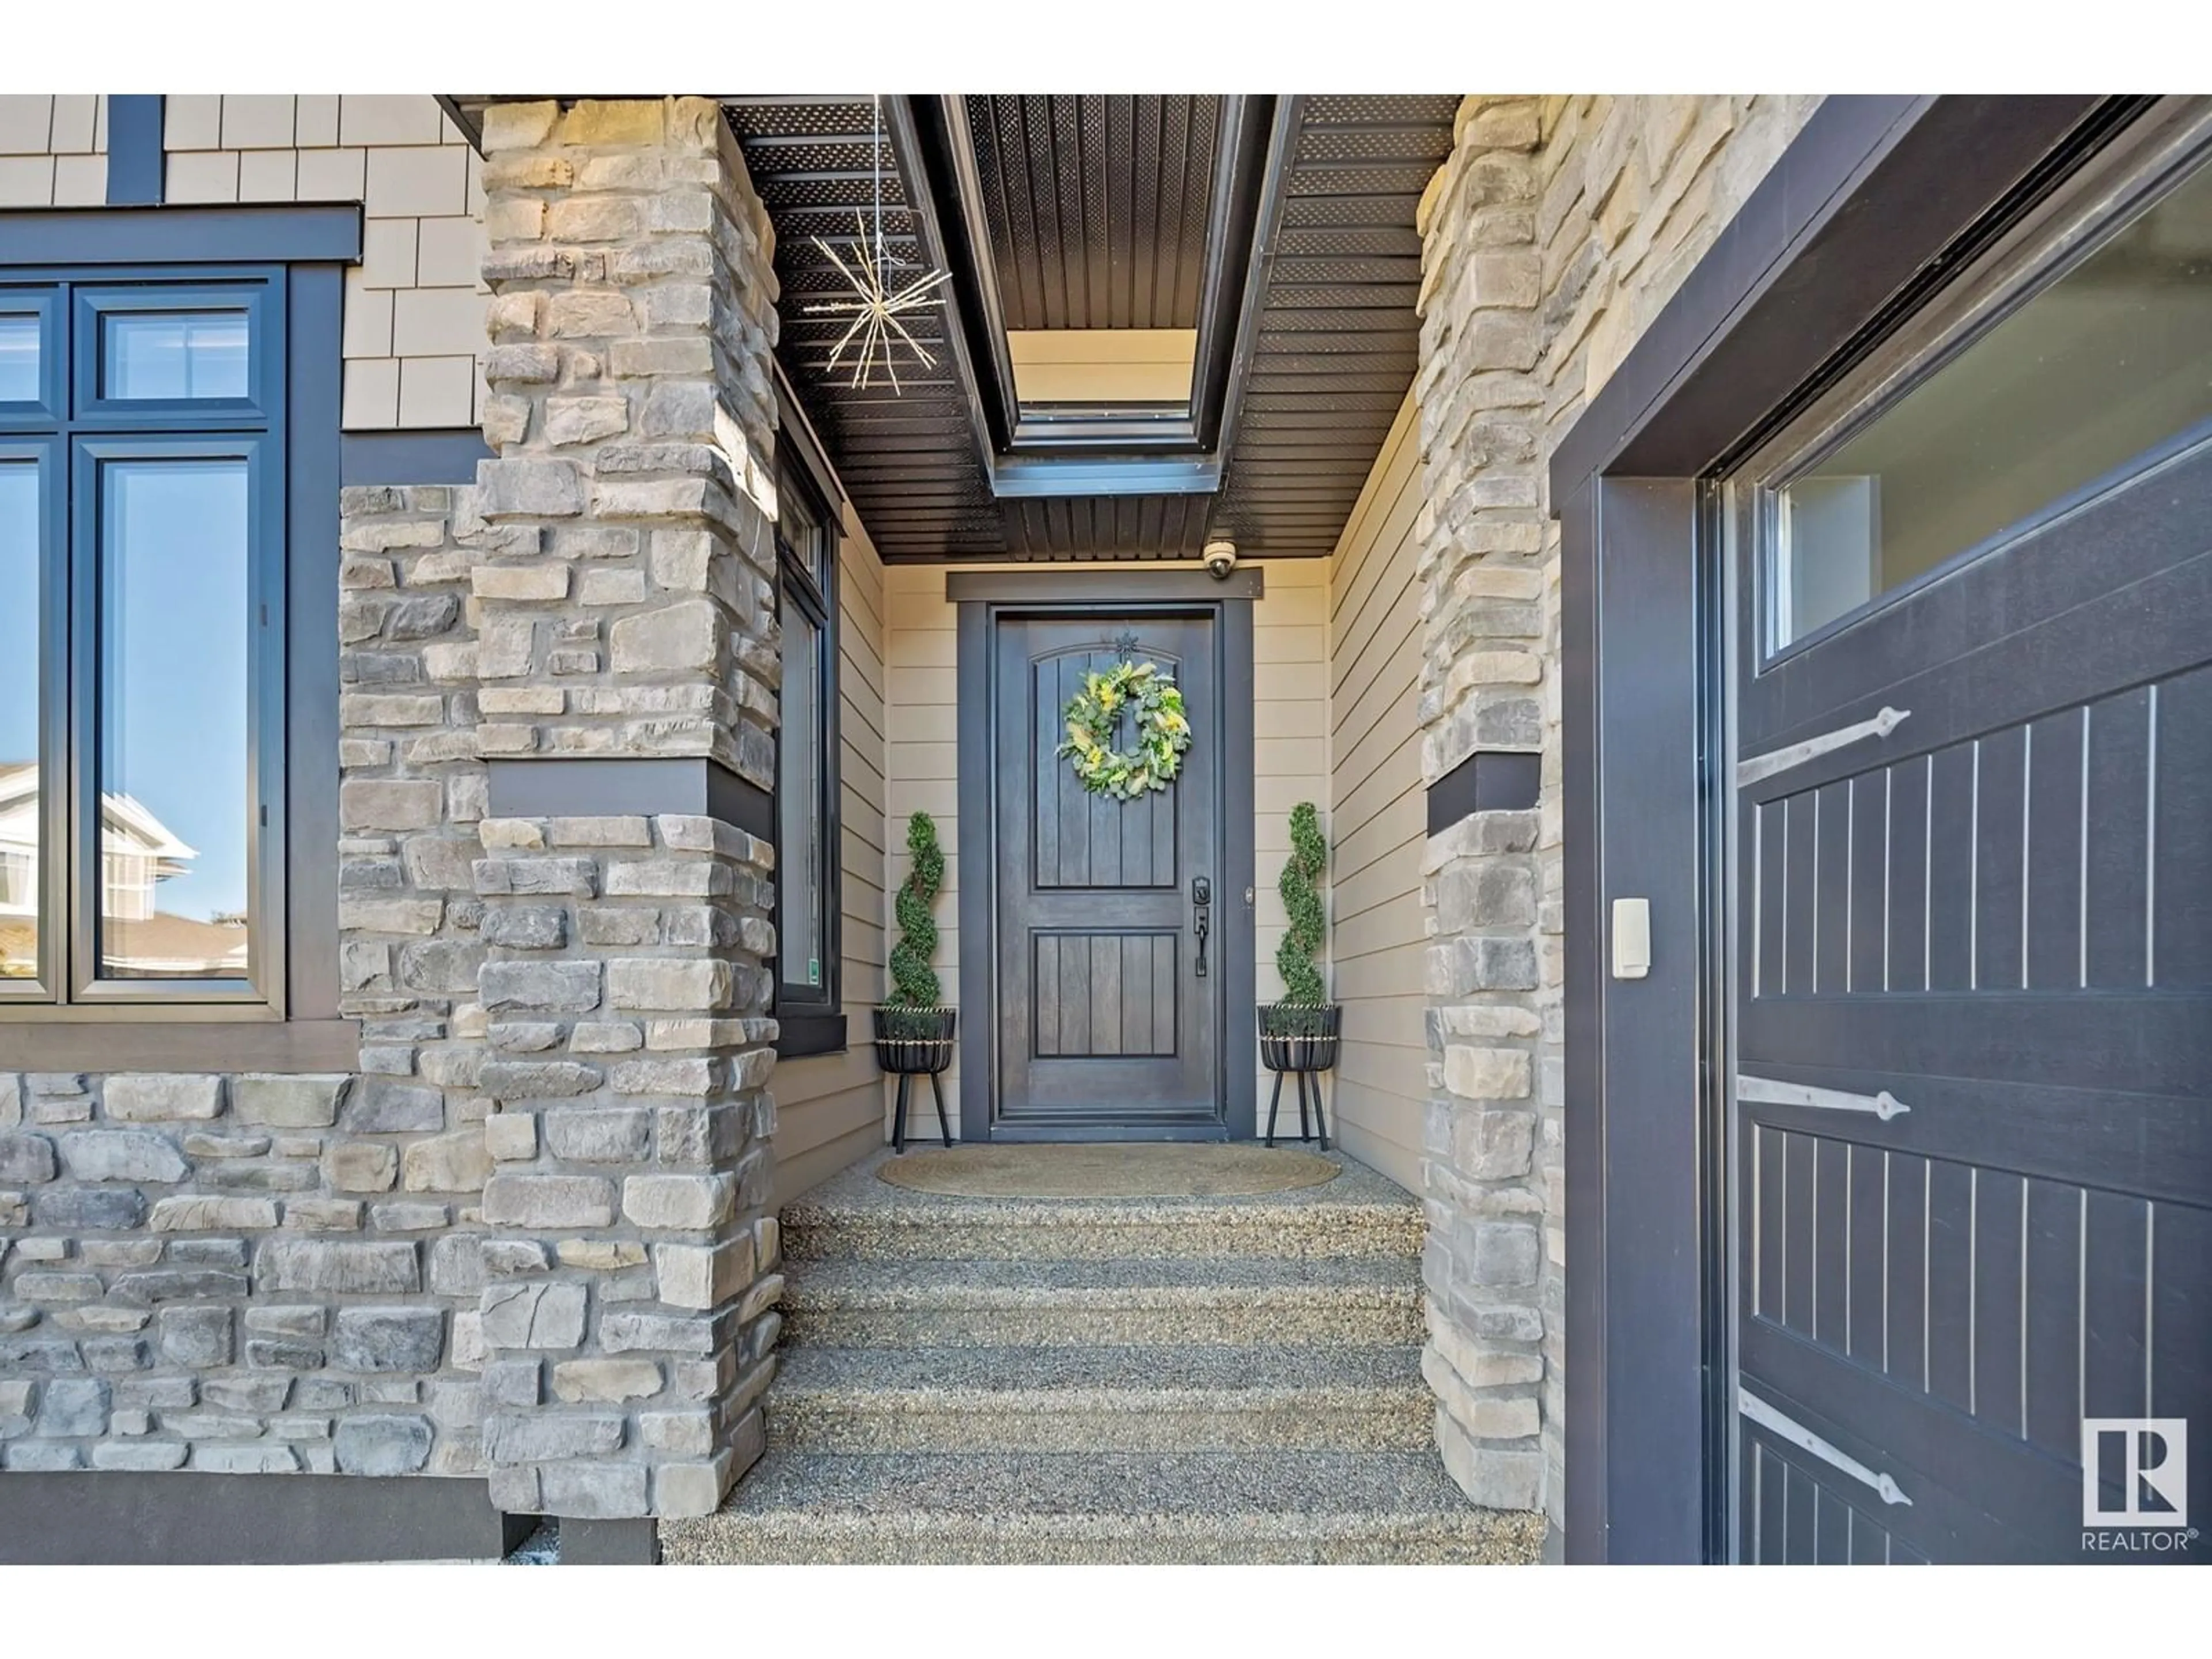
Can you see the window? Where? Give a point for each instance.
(2087, 379)
(807, 836)
(142, 609)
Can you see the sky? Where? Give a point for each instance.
(174, 636)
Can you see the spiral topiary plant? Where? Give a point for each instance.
(1296, 957)
(914, 981)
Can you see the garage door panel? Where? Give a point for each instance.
(1801, 841)
(1765, 831)
(2041, 1307)
(1798, 1217)
(2116, 867)
(1904, 1298)
(1999, 1281)
(2116, 1247)
(1794, 1517)
(1829, 909)
(1976, 1493)
(2144, 1043)
(2181, 903)
(1867, 881)
(1950, 855)
(2036, 854)
(1866, 1253)
(2053, 1342)
(2141, 529)
(2000, 833)
(1950, 1268)
(2158, 628)
(1973, 1049)
(2108, 1138)
(2056, 816)
(1831, 1227)
(2180, 1319)
(1906, 888)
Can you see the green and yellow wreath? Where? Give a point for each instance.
(1162, 731)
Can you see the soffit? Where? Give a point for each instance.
(1326, 355)
(1097, 204)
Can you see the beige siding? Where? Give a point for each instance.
(827, 1107)
(415, 305)
(53, 151)
(1291, 727)
(1377, 813)
(920, 719)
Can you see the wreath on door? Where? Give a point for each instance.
(1093, 717)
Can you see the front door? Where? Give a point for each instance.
(1972, 1135)
(1108, 998)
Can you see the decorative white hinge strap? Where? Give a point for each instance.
(1771, 1092)
(1798, 1435)
(1748, 772)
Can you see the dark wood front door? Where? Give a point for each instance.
(1108, 1009)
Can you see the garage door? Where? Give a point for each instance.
(1970, 1144)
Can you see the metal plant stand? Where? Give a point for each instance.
(1300, 1041)
(912, 1042)
(898, 1113)
(1305, 1130)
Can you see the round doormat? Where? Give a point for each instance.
(1116, 1170)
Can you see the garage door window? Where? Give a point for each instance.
(2087, 381)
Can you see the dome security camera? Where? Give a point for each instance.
(1220, 559)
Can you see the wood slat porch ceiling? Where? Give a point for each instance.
(1328, 357)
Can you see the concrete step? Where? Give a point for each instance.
(1100, 1400)
(1311, 1507)
(1233, 1301)
(853, 1216)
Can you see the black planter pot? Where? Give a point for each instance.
(1300, 1037)
(912, 1042)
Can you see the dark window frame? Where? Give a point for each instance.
(300, 253)
(810, 1018)
(82, 434)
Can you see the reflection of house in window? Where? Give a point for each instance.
(138, 938)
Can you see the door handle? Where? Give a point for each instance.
(1201, 913)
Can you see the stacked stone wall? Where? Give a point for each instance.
(1551, 238)
(269, 1273)
(530, 1236)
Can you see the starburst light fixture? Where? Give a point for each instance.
(879, 299)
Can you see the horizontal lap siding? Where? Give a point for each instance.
(1377, 814)
(921, 760)
(828, 1105)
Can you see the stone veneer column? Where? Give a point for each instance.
(625, 609)
(1491, 1162)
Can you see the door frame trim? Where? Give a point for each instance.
(982, 597)
(1875, 203)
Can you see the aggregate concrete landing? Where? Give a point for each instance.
(1107, 1169)
(1286, 1507)
(853, 1216)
